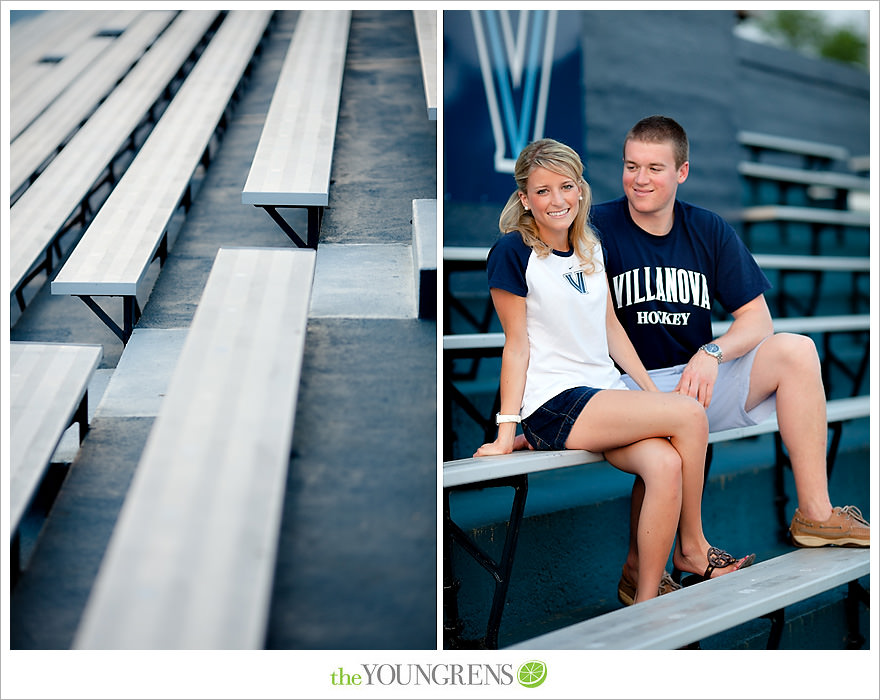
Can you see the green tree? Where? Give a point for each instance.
(810, 32)
(845, 45)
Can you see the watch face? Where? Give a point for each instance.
(712, 347)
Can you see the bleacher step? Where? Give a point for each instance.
(363, 281)
(138, 384)
(69, 446)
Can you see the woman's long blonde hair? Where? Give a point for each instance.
(558, 158)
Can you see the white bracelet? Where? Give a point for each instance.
(506, 418)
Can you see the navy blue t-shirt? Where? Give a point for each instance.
(663, 286)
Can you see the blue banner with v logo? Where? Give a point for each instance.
(510, 76)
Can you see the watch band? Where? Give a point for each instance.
(507, 418)
(713, 350)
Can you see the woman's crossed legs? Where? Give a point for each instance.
(661, 438)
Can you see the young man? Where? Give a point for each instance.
(666, 261)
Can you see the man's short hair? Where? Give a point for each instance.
(660, 129)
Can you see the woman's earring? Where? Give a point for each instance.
(581, 197)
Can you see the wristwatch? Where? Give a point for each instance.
(507, 418)
(713, 350)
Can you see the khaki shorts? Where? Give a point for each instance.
(727, 409)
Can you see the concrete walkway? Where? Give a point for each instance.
(356, 562)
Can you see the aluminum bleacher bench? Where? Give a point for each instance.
(822, 171)
(426, 35)
(815, 267)
(465, 259)
(472, 470)
(797, 176)
(814, 154)
(131, 229)
(816, 218)
(681, 618)
(48, 133)
(37, 43)
(829, 263)
(807, 215)
(513, 470)
(860, 164)
(34, 89)
(191, 560)
(291, 166)
(37, 36)
(61, 196)
(48, 392)
(41, 93)
(818, 184)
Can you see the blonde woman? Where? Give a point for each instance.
(548, 285)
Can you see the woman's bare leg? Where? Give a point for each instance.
(656, 464)
(635, 509)
(618, 418)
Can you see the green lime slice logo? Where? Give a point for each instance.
(531, 674)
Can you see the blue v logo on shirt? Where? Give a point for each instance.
(576, 280)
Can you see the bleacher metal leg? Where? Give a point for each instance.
(855, 596)
(162, 251)
(836, 429)
(710, 452)
(19, 296)
(14, 560)
(856, 375)
(859, 374)
(130, 312)
(747, 234)
(815, 238)
(471, 410)
(45, 265)
(316, 214)
(858, 297)
(501, 570)
(452, 624)
(777, 625)
(786, 299)
(81, 417)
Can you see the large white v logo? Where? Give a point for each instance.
(515, 64)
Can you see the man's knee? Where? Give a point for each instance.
(790, 351)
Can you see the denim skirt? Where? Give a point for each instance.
(548, 427)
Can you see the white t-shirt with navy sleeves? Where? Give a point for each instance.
(565, 318)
